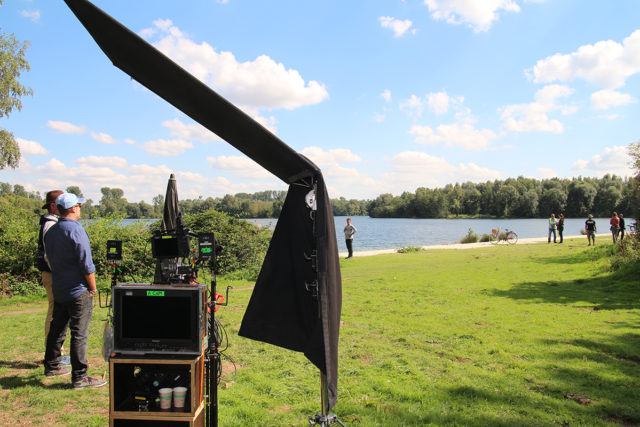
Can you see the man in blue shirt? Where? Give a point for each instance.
(74, 285)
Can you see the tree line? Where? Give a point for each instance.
(510, 198)
(514, 198)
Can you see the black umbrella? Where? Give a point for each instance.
(297, 299)
(171, 208)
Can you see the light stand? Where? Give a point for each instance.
(323, 418)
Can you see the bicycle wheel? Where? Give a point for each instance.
(512, 238)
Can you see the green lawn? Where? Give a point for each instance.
(501, 335)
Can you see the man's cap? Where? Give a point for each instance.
(68, 200)
(590, 216)
(51, 197)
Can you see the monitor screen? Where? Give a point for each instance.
(159, 318)
(165, 247)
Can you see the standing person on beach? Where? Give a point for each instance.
(74, 285)
(622, 227)
(615, 226)
(46, 221)
(552, 228)
(560, 226)
(349, 231)
(591, 229)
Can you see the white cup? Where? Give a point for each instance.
(165, 398)
(179, 395)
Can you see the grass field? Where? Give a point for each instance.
(502, 336)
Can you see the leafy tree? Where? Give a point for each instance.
(553, 200)
(12, 64)
(580, 198)
(75, 190)
(634, 203)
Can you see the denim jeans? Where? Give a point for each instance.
(552, 230)
(76, 316)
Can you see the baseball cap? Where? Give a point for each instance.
(68, 200)
(51, 197)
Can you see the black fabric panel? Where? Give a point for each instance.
(281, 310)
(164, 77)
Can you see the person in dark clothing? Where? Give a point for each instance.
(622, 227)
(591, 229)
(46, 221)
(560, 226)
(68, 251)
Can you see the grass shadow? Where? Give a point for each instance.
(617, 290)
(19, 364)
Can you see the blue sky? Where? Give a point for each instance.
(384, 96)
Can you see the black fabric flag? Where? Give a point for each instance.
(307, 284)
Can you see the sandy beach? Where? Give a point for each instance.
(357, 253)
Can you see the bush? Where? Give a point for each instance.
(245, 245)
(18, 241)
(487, 237)
(626, 252)
(409, 249)
(20, 285)
(137, 263)
(471, 237)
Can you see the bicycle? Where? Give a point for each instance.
(508, 236)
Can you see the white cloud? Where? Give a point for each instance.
(457, 134)
(412, 169)
(547, 173)
(413, 105)
(331, 157)
(606, 63)
(148, 170)
(31, 148)
(103, 138)
(190, 132)
(613, 160)
(606, 98)
(439, 102)
(341, 179)
(102, 161)
(33, 15)
(534, 116)
(65, 127)
(239, 166)
(129, 141)
(479, 15)
(399, 27)
(386, 95)
(261, 83)
(169, 148)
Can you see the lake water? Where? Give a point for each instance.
(393, 233)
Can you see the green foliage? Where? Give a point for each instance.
(12, 64)
(21, 286)
(626, 253)
(471, 237)
(409, 249)
(245, 244)
(514, 198)
(137, 263)
(18, 238)
(487, 237)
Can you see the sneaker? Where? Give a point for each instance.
(65, 361)
(88, 382)
(58, 372)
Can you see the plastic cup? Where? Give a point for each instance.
(165, 398)
(179, 394)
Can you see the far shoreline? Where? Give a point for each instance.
(529, 240)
